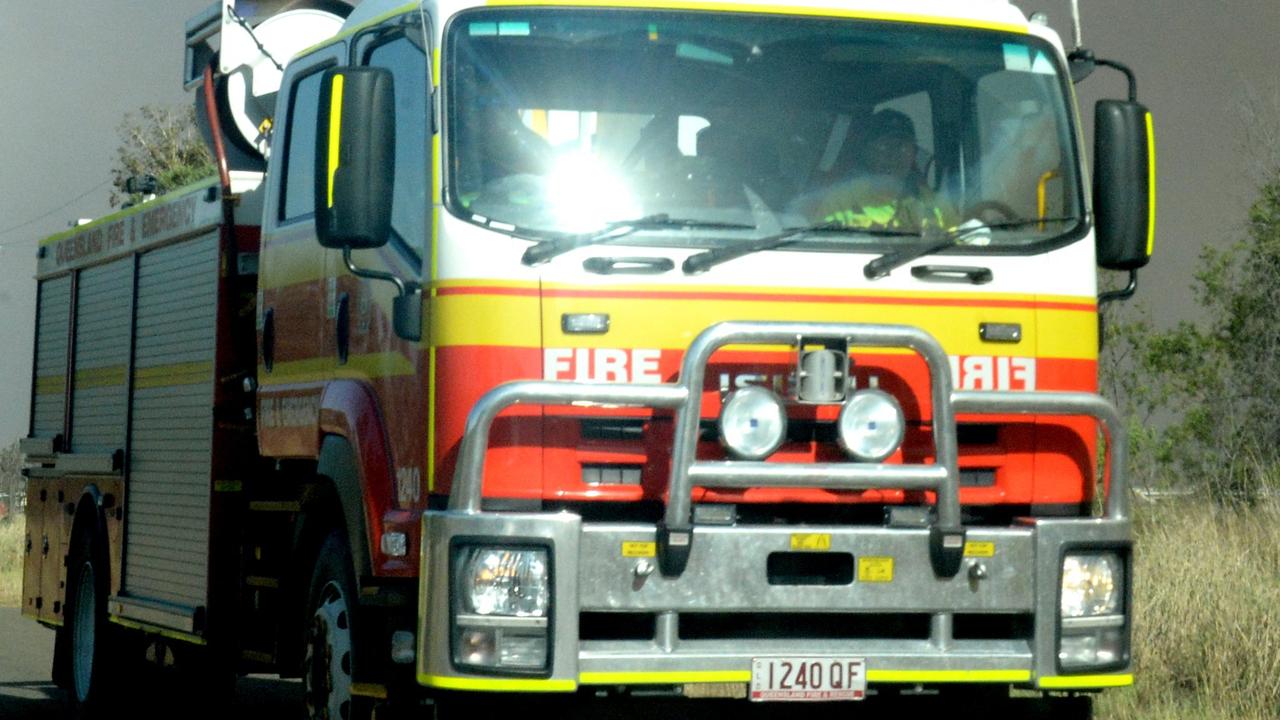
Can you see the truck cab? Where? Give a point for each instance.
(680, 349)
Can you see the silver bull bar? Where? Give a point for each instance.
(685, 397)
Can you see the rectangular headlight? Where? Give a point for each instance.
(502, 608)
(1093, 627)
(506, 582)
(1092, 585)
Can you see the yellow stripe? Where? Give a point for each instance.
(514, 320)
(335, 130)
(1082, 682)
(162, 632)
(1151, 186)
(369, 690)
(100, 377)
(663, 678)
(171, 375)
(948, 676)
(380, 365)
(259, 657)
(51, 385)
(772, 10)
(881, 676)
(497, 684)
(487, 321)
(978, 297)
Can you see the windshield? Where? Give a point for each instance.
(568, 121)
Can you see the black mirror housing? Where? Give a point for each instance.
(1123, 184)
(406, 315)
(355, 163)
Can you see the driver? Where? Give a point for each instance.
(887, 189)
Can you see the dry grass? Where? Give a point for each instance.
(1207, 603)
(12, 537)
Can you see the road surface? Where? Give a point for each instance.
(26, 651)
(27, 693)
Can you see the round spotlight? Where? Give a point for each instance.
(871, 425)
(753, 423)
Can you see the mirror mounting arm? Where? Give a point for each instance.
(1123, 294)
(1083, 61)
(1128, 73)
(406, 309)
(401, 289)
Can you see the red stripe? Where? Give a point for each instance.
(760, 297)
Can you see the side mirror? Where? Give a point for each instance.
(406, 314)
(1124, 184)
(355, 157)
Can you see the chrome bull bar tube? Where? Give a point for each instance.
(1063, 403)
(685, 396)
(946, 482)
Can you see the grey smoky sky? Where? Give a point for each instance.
(71, 70)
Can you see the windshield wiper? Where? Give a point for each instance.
(703, 261)
(544, 250)
(934, 240)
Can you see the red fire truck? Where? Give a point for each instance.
(612, 350)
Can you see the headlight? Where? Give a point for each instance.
(504, 581)
(502, 608)
(753, 423)
(871, 425)
(1092, 585)
(1094, 627)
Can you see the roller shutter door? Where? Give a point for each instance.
(166, 549)
(48, 402)
(99, 406)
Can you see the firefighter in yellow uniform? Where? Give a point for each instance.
(887, 190)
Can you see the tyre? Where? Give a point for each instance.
(329, 656)
(84, 636)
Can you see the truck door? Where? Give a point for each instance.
(296, 304)
(366, 347)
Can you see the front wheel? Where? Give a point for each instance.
(329, 657)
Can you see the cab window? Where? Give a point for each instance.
(298, 199)
(408, 66)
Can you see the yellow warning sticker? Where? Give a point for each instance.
(813, 542)
(875, 569)
(976, 549)
(637, 549)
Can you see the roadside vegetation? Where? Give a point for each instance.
(12, 526)
(163, 142)
(12, 535)
(1207, 631)
(1203, 404)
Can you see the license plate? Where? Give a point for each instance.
(812, 679)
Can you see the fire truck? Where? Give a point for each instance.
(592, 351)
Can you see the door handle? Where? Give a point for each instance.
(952, 273)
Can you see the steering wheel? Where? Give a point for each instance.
(994, 211)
